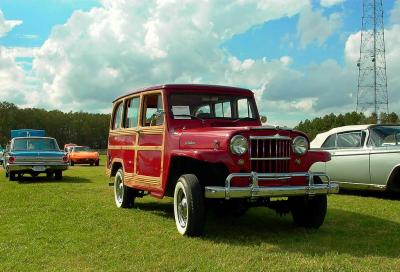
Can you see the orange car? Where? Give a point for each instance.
(82, 155)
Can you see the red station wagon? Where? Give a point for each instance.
(204, 146)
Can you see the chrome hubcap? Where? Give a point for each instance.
(182, 208)
(119, 189)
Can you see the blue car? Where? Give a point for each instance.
(34, 155)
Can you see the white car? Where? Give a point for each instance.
(363, 156)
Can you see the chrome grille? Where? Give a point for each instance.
(270, 154)
(39, 159)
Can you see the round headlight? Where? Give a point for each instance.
(300, 145)
(239, 145)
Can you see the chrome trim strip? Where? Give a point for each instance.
(270, 138)
(254, 190)
(364, 186)
(270, 159)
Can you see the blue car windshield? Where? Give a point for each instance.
(35, 144)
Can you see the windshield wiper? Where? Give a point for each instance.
(193, 116)
(189, 115)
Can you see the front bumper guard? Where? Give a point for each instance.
(254, 190)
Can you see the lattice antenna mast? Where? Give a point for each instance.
(372, 93)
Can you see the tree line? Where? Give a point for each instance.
(82, 128)
(91, 129)
(329, 121)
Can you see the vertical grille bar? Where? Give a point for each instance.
(270, 155)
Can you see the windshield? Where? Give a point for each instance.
(80, 149)
(35, 144)
(212, 106)
(384, 136)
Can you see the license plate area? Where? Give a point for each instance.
(39, 168)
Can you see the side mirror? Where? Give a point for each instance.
(263, 119)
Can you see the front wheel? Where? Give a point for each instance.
(189, 206)
(124, 195)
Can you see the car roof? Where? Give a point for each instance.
(321, 137)
(185, 87)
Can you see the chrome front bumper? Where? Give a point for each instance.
(254, 190)
(30, 167)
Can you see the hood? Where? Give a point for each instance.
(219, 137)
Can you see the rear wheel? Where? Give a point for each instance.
(189, 206)
(91, 164)
(124, 195)
(58, 174)
(12, 176)
(309, 212)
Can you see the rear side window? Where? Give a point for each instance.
(132, 112)
(117, 120)
(349, 139)
(153, 110)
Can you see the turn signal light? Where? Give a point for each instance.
(65, 159)
(11, 159)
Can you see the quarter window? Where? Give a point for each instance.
(330, 142)
(118, 116)
(132, 113)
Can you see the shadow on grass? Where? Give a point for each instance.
(376, 194)
(159, 208)
(343, 232)
(26, 179)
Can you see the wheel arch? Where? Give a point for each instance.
(207, 173)
(116, 164)
(393, 182)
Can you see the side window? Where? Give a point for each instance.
(117, 120)
(132, 112)
(244, 108)
(349, 139)
(153, 110)
(330, 142)
(223, 110)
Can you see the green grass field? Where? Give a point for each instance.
(73, 225)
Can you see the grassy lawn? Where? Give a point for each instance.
(73, 225)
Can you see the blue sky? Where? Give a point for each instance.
(88, 52)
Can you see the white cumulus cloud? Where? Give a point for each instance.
(313, 26)
(330, 3)
(96, 55)
(7, 25)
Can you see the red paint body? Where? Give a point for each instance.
(190, 138)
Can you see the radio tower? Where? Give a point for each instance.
(372, 93)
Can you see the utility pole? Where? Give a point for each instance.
(372, 95)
